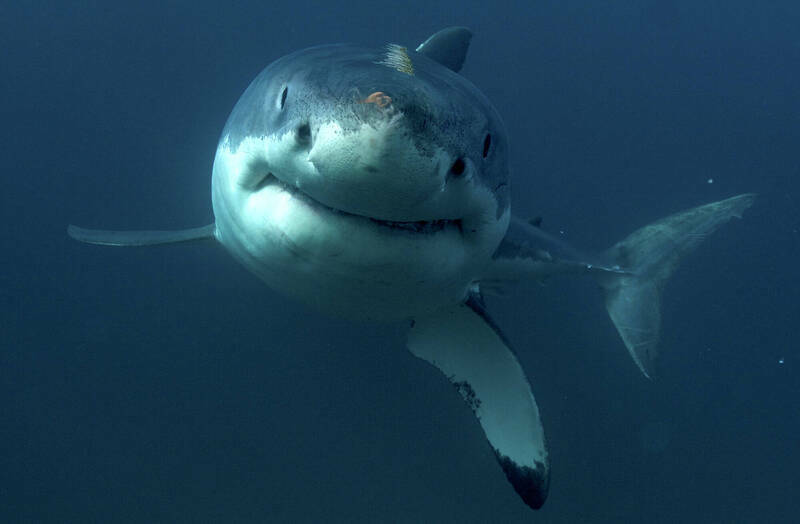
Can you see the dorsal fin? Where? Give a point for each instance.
(448, 47)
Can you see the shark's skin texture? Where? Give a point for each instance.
(373, 183)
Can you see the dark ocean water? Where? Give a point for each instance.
(169, 385)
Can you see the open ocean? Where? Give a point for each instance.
(168, 384)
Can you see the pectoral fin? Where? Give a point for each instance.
(140, 238)
(470, 350)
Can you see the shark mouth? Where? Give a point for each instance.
(417, 226)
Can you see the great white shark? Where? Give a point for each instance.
(373, 183)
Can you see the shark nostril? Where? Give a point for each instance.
(458, 167)
(303, 133)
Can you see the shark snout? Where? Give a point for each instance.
(372, 169)
(368, 147)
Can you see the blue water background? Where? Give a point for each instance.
(169, 385)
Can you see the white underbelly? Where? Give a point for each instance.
(340, 263)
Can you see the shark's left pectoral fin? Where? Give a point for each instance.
(140, 238)
(469, 349)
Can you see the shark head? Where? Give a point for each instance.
(348, 172)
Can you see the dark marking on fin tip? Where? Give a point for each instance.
(529, 483)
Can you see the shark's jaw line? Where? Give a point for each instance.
(416, 226)
(339, 261)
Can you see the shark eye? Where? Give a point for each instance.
(487, 145)
(282, 99)
(458, 167)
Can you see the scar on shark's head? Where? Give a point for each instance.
(379, 98)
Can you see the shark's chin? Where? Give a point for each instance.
(371, 262)
(343, 263)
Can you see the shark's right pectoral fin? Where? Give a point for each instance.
(469, 349)
(140, 238)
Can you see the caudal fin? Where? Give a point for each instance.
(651, 254)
